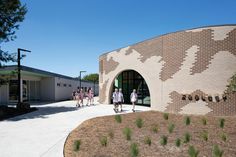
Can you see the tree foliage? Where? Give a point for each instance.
(91, 77)
(232, 84)
(12, 12)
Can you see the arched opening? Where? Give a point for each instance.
(129, 80)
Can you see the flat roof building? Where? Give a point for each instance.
(40, 85)
(182, 72)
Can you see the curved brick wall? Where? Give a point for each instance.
(192, 62)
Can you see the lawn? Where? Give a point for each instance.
(154, 134)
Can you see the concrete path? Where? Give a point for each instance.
(42, 133)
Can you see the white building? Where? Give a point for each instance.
(39, 85)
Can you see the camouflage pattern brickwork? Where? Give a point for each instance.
(191, 62)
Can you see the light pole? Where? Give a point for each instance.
(80, 78)
(19, 74)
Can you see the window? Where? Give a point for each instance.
(58, 84)
(65, 85)
(69, 85)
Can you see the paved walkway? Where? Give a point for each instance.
(42, 133)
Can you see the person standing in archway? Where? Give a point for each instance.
(115, 100)
(120, 99)
(133, 99)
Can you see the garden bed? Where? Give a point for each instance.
(159, 135)
(9, 112)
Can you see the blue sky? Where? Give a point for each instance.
(66, 36)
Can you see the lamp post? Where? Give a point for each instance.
(80, 78)
(19, 74)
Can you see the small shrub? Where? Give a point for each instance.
(148, 140)
(139, 122)
(204, 121)
(127, 132)
(118, 118)
(164, 140)
(187, 137)
(204, 135)
(134, 150)
(77, 144)
(177, 142)
(187, 120)
(111, 134)
(166, 116)
(155, 128)
(171, 128)
(222, 123)
(192, 152)
(103, 141)
(216, 152)
(223, 137)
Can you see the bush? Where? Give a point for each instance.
(103, 141)
(134, 150)
(192, 152)
(118, 118)
(223, 137)
(187, 137)
(166, 116)
(204, 135)
(111, 134)
(204, 121)
(139, 122)
(171, 128)
(187, 120)
(148, 140)
(177, 142)
(127, 132)
(77, 144)
(164, 140)
(216, 152)
(155, 128)
(222, 123)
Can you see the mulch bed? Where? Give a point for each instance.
(9, 112)
(92, 130)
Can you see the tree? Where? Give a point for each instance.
(91, 77)
(232, 85)
(12, 12)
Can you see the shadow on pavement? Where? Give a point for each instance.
(43, 112)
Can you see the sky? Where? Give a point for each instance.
(67, 36)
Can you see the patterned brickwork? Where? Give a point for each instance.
(192, 62)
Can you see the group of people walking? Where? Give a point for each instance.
(80, 95)
(118, 99)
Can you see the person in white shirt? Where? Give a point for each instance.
(120, 99)
(115, 97)
(133, 99)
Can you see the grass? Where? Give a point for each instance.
(118, 118)
(166, 116)
(223, 136)
(221, 123)
(216, 152)
(111, 134)
(127, 132)
(192, 152)
(171, 128)
(204, 121)
(187, 120)
(103, 141)
(204, 135)
(155, 128)
(164, 140)
(134, 151)
(77, 144)
(139, 122)
(148, 140)
(187, 137)
(178, 142)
